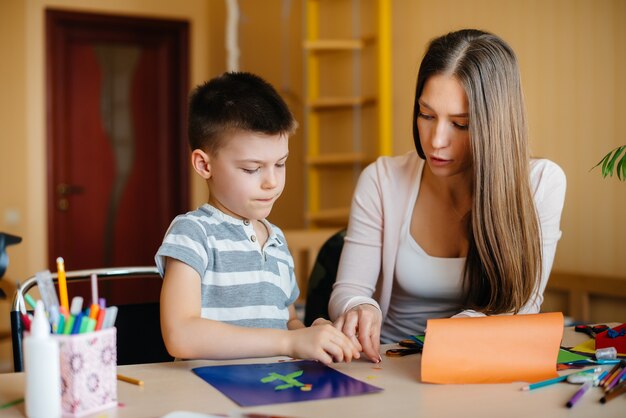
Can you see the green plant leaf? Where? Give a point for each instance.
(611, 164)
(621, 168)
(601, 162)
(605, 172)
(608, 162)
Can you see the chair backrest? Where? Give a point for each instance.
(5, 241)
(322, 278)
(304, 245)
(134, 290)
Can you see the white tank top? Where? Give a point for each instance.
(424, 287)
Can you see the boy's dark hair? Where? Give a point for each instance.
(236, 101)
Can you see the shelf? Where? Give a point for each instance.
(335, 216)
(321, 45)
(346, 158)
(326, 103)
(347, 101)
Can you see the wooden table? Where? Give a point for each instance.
(173, 387)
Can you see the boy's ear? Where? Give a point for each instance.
(201, 162)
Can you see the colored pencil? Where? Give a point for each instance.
(554, 380)
(62, 283)
(614, 369)
(614, 393)
(130, 380)
(615, 381)
(11, 403)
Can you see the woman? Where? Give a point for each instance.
(465, 226)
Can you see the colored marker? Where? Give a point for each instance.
(61, 327)
(30, 300)
(77, 322)
(90, 324)
(26, 321)
(11, 403)
(554, 380)
(93, 312)
(69, 325)
(62, 282)
(579, 394)
(109, 318)
(84, 323)
(99, 322)
(77, 305)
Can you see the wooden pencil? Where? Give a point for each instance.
(615, 392)
(130, 380)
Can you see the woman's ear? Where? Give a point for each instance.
(201, 163)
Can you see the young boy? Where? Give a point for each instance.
(229, 284)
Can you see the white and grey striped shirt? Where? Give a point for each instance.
(242, 284)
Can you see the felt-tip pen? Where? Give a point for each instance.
(579, 394)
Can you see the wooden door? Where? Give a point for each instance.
(117, 149)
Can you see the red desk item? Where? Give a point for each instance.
(614, 337)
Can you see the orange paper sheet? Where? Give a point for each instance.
(492, 349)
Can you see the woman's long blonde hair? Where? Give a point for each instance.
(504, 258)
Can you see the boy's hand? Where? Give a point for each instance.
(362, 325)
(321, 321)
(322, 342)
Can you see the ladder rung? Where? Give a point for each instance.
(337, 159)
(334, 102)
(335, 216)
(337, 44)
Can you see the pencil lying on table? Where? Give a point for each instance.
(548, 382)
(614, 393)
(130, 380)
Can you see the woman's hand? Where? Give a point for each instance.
(321, 341)
(362, 325)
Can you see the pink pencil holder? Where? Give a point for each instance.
(88, 372)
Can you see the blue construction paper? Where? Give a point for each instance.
(418, 339)
(242, 383)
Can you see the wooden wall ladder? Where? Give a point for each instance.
(347, 115)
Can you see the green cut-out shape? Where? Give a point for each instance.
(289, 380)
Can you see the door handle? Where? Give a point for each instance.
(68, 189)
(64, 190)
